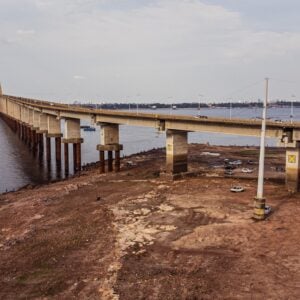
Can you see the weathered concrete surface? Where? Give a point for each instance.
(293, 169)
(72, 130)
(109, 134)
(53, 126)
(160, 121)
(132, 235)
(176, 151)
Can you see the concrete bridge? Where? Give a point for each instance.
(36, 120)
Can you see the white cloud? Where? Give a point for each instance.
(178, 48)
(28, 32)
(78, 77)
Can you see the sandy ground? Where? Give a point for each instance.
(134, 235)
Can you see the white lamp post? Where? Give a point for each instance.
(260, 201)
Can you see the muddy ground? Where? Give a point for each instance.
(135, 235)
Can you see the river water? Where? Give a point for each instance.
(18, 167)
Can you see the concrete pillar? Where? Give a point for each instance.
(58, 151)
(102, 161)
(109, 142)
(72, 135)
(36, 120)
(66, 157)
(177, 151)
(28, 141)
(48, 150)
(117, 161)
(292, 169)
(77, 157)
(41, 143)
(109, 161)
(25, 115)
(30, 117)
(34, 141)
(51, 126)
(109, 134)
(43, 123)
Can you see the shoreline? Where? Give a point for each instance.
(93, 165)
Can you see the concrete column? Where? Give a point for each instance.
(293, 169)
(43, 124)
(36, 120)
(102, 161)
(72, 135)
(66, 157)
(34, 141)
(25, 115)
(177, 151)
(48, 149)
(109, 134)
(28, 135)
(41, 143)
(109, 161)
(58, 151)
(77, 157)
(117, 160)
(51, 126)
(30, 117)
(109, 142)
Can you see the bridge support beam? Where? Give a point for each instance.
(176, 151)
(109, 143)
(72, 135)
(293, 169)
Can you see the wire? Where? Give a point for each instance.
(285, 81)
(243, 88)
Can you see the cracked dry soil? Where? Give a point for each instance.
(134, 235)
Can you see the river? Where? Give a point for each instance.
(18, 167)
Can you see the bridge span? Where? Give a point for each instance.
(37, 121)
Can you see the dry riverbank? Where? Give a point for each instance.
(134, 235)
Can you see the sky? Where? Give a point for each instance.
(150, 50)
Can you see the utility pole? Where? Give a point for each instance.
(260, 201)
(292, 109)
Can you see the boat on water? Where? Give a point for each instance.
(89, 129)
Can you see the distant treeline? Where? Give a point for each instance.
(279, 103)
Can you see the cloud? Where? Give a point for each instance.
(160, 48)
(78, 77)
(28, 32)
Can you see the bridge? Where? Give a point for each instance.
(37, 122)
